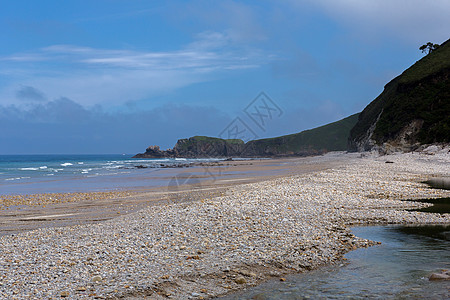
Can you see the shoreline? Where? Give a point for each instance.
(33, 211)
(213, 246)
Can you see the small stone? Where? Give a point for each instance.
(240, 280)
(274, 274)
(282, 279)
(64, 294)
(96, 278)
(247, 273)
(203, 291)
(439, 276)
(81, 289)
(195, 294)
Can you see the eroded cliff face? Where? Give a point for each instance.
(412, 110)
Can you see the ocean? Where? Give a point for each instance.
(28, 174)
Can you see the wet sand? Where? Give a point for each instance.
(29, 212)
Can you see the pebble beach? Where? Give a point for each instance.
(215, 245)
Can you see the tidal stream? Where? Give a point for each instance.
(396, 269)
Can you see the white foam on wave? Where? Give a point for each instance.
(43, 167)
(29, 169)
(181, 159)
(17, 178)
(66, 164)
(94, 175)
(81, 163)
(155, 160)
(85, 171)
(113, 167)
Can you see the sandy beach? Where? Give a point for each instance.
(27, 212)
(210, 239)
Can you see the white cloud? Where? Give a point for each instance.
(110, 76)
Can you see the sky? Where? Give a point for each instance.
(118, 76)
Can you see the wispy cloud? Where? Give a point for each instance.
(25, 57)
(93, 75)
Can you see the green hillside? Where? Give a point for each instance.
(330, 137)
(414, 108)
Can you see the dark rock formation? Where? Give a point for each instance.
(197, 147)
(155, 152)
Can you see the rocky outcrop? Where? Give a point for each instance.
(330, 137)
(208, 147)
(412, 110)
(197, 147)
(155, 152)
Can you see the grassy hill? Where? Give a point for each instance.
(330, 137)
(413, 109)
(204, 146)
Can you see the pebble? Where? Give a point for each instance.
(53, 198)
(283, 225)
(444, 275)
(64, 294)
(240, 280)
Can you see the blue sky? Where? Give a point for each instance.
(118, 76)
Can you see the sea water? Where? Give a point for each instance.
(26, 174)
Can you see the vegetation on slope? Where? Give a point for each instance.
(330, 137)
(421, 93)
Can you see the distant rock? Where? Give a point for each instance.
(197, 147)
(155, 152)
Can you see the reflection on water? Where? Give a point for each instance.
(440, 205)
(439, 183)
(396, 269)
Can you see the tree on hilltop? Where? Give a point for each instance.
(428, 47)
